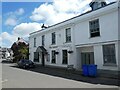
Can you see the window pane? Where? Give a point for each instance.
(53, 38)
(94, 28)
(68, 35)
(65, 57)
(109, 54)
(34, 42)
(53, 57)
(43, 40)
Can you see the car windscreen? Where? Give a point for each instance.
(28, 61)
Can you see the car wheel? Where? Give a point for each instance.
(18, 66)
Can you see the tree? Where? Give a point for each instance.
(24, 52)
(20, 50)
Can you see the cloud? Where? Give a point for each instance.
(0, 23)
(7, 36)
(0, 41)
(50, 13)
(7, 39)
(13, 17)
(11, 21)
(20, 11)
(59, 10)
(24, 29)
(108, 1)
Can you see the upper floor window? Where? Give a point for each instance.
(53, 60)
(68, 35)
(34, 42)
(94, 28)
(43, 40)
(109, 55)
(53, 38)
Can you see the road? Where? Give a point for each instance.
(19, 78)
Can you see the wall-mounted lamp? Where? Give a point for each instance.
(56, 52)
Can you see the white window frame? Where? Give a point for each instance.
(94, 28)
(34, 42)
(68, 35)
(53, 38)
(111, 54)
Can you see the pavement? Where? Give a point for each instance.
(49, 77)
(73, 75)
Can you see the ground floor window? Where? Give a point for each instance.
(65, 57)
(53, 56)
(36, 57)
(109, 55)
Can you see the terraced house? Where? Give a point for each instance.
(90, 38)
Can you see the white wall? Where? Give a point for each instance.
(59, 46)
(98, 55)
(80, 36)
(108, 29)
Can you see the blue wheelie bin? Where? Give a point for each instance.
(85, 70)
(92, 70)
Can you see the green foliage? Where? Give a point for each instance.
(23, 52)
(20, 50)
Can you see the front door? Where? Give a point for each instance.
(87, 58)
(43, 59)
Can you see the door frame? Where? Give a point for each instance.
(43, 59)
(90, 57)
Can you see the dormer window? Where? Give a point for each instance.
(95, 4)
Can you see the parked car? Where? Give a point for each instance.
(24, 63)
(9, 59)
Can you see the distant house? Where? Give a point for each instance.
(17, 45)
(19, 41)
(90, 38)
(6, 53)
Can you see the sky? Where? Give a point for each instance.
(19, 19)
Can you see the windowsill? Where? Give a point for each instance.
(53, 44)
(94, 37)
(53, 63)
(69, 42)
(64, 64)
(113, 65)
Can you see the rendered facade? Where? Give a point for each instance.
(90, 38)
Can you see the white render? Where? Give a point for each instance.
(81, 41)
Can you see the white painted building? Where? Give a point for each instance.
(90, 38)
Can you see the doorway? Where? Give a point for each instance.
(87, 58)
(43, 59)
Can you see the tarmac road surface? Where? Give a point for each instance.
(20, 78)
